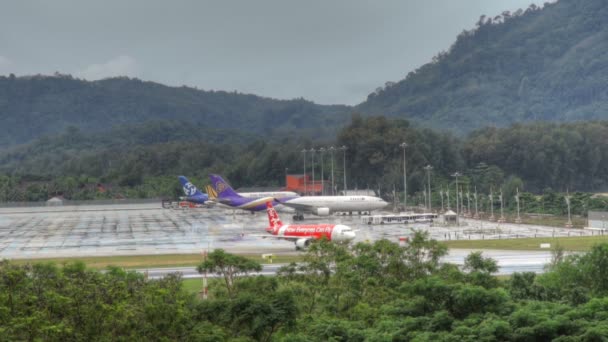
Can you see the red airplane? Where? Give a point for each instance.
(303, 234)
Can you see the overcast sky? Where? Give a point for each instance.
(330, 52)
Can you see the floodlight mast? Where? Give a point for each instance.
(518, 219)
(428, 169)
(322, 150)
(456, 175)
(567, 198)
(332, 149)
(344, 148)
(312, 155)
(305, 181)
(403, 146)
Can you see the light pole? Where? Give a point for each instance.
(332, 149)
(492, 218)
(305, 182)
(456, 175)
(403, 146)
(567, 198)
(447, 195)
(428, 169)
(441, 195)
(461, 201)
(322, 150)
(502, 212)
(424, 194)
(468, 203)
(476, 211)
(344, 148)
(312, 155)
(518, 219)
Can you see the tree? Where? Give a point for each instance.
(229, 267)
(481, 269)
(422, 255)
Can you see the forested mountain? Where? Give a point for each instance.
(31, 107)
(548, 64)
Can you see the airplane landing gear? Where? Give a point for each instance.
(298, 217)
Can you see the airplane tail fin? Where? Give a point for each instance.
(211, 192)
(273, 218)
(222, 188)
(189, 188)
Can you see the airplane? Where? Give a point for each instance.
(193, 194)
(223, 193)
(273, 194)
(327, 205)
(303, 234)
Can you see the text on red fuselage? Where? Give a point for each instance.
(309, 230)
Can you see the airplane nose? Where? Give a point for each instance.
(349, 235)
(384, 203)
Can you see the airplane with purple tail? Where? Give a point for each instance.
(223, 193)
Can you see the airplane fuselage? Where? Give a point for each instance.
(332, 232)
(340, 203)
(273, 194)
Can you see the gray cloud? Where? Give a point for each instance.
(5, 65)
(119, 66)
(327, 51)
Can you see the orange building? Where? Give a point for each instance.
(303, 184)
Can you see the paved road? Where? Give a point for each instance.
(508, 262)
(191, 272)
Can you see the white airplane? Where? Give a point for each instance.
(327, 205)
(273, 194)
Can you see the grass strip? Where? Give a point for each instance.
(149, 261)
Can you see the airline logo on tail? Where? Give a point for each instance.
(273, 218)
(211, 192)
(189, 189)
(221, 187)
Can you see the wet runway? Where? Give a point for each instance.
(130, 229)
(509, 262)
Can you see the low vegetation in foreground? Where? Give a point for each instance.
(370, 292)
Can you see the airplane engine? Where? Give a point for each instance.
(321, 211)
(302, 243)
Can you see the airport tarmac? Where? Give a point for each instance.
(132, 229)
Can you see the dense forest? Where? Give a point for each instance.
(370, 292)
(536, 64)
(143, 161)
